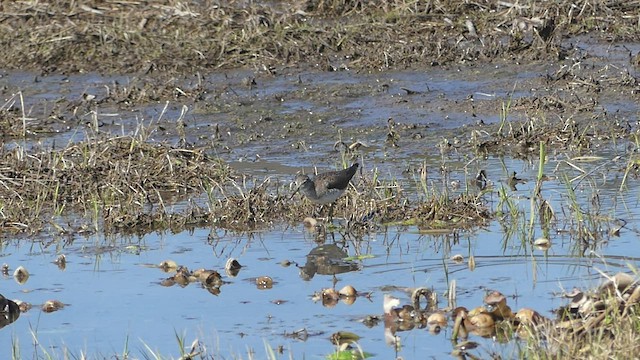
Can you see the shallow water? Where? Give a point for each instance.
(115, 300)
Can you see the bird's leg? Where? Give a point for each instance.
(330, 216)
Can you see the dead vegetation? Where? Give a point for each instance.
(115, 184)
(600, 323)
(190, 36)
(569, 116)
(128, 185)
(520, 139)
(596, 324)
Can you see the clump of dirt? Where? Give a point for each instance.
(522, 139)
(112, 182)
(570, 115)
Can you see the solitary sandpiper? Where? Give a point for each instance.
(327, 187)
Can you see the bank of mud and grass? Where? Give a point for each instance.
(112, 182)
(193, 36)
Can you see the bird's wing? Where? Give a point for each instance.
(340, 179)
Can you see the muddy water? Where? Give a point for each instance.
(112, 288)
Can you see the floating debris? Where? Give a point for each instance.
(482, 320)
(344, 337)
(23, 305)
(213, 290)
(436, 321)
(168, 282)
(264, 282)
(232, 267)
(348, 300)
(21, 275)
(437, 318)
(52, 305)
(214, 279)
(527, 317)
(428, 295)
(211, 280)
(542, 244)
(406, 317)
(168, 266)
(182, 276)
(286, 263)
(202, 274)
(329, 297)
(497, 306)
(348, 291)
(61, 261)
(477, 321)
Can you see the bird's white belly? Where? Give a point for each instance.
(328, 197)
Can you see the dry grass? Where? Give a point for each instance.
(112, 181)
(520, 139)
(189, 36)
(603, 324)
(129, 185)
